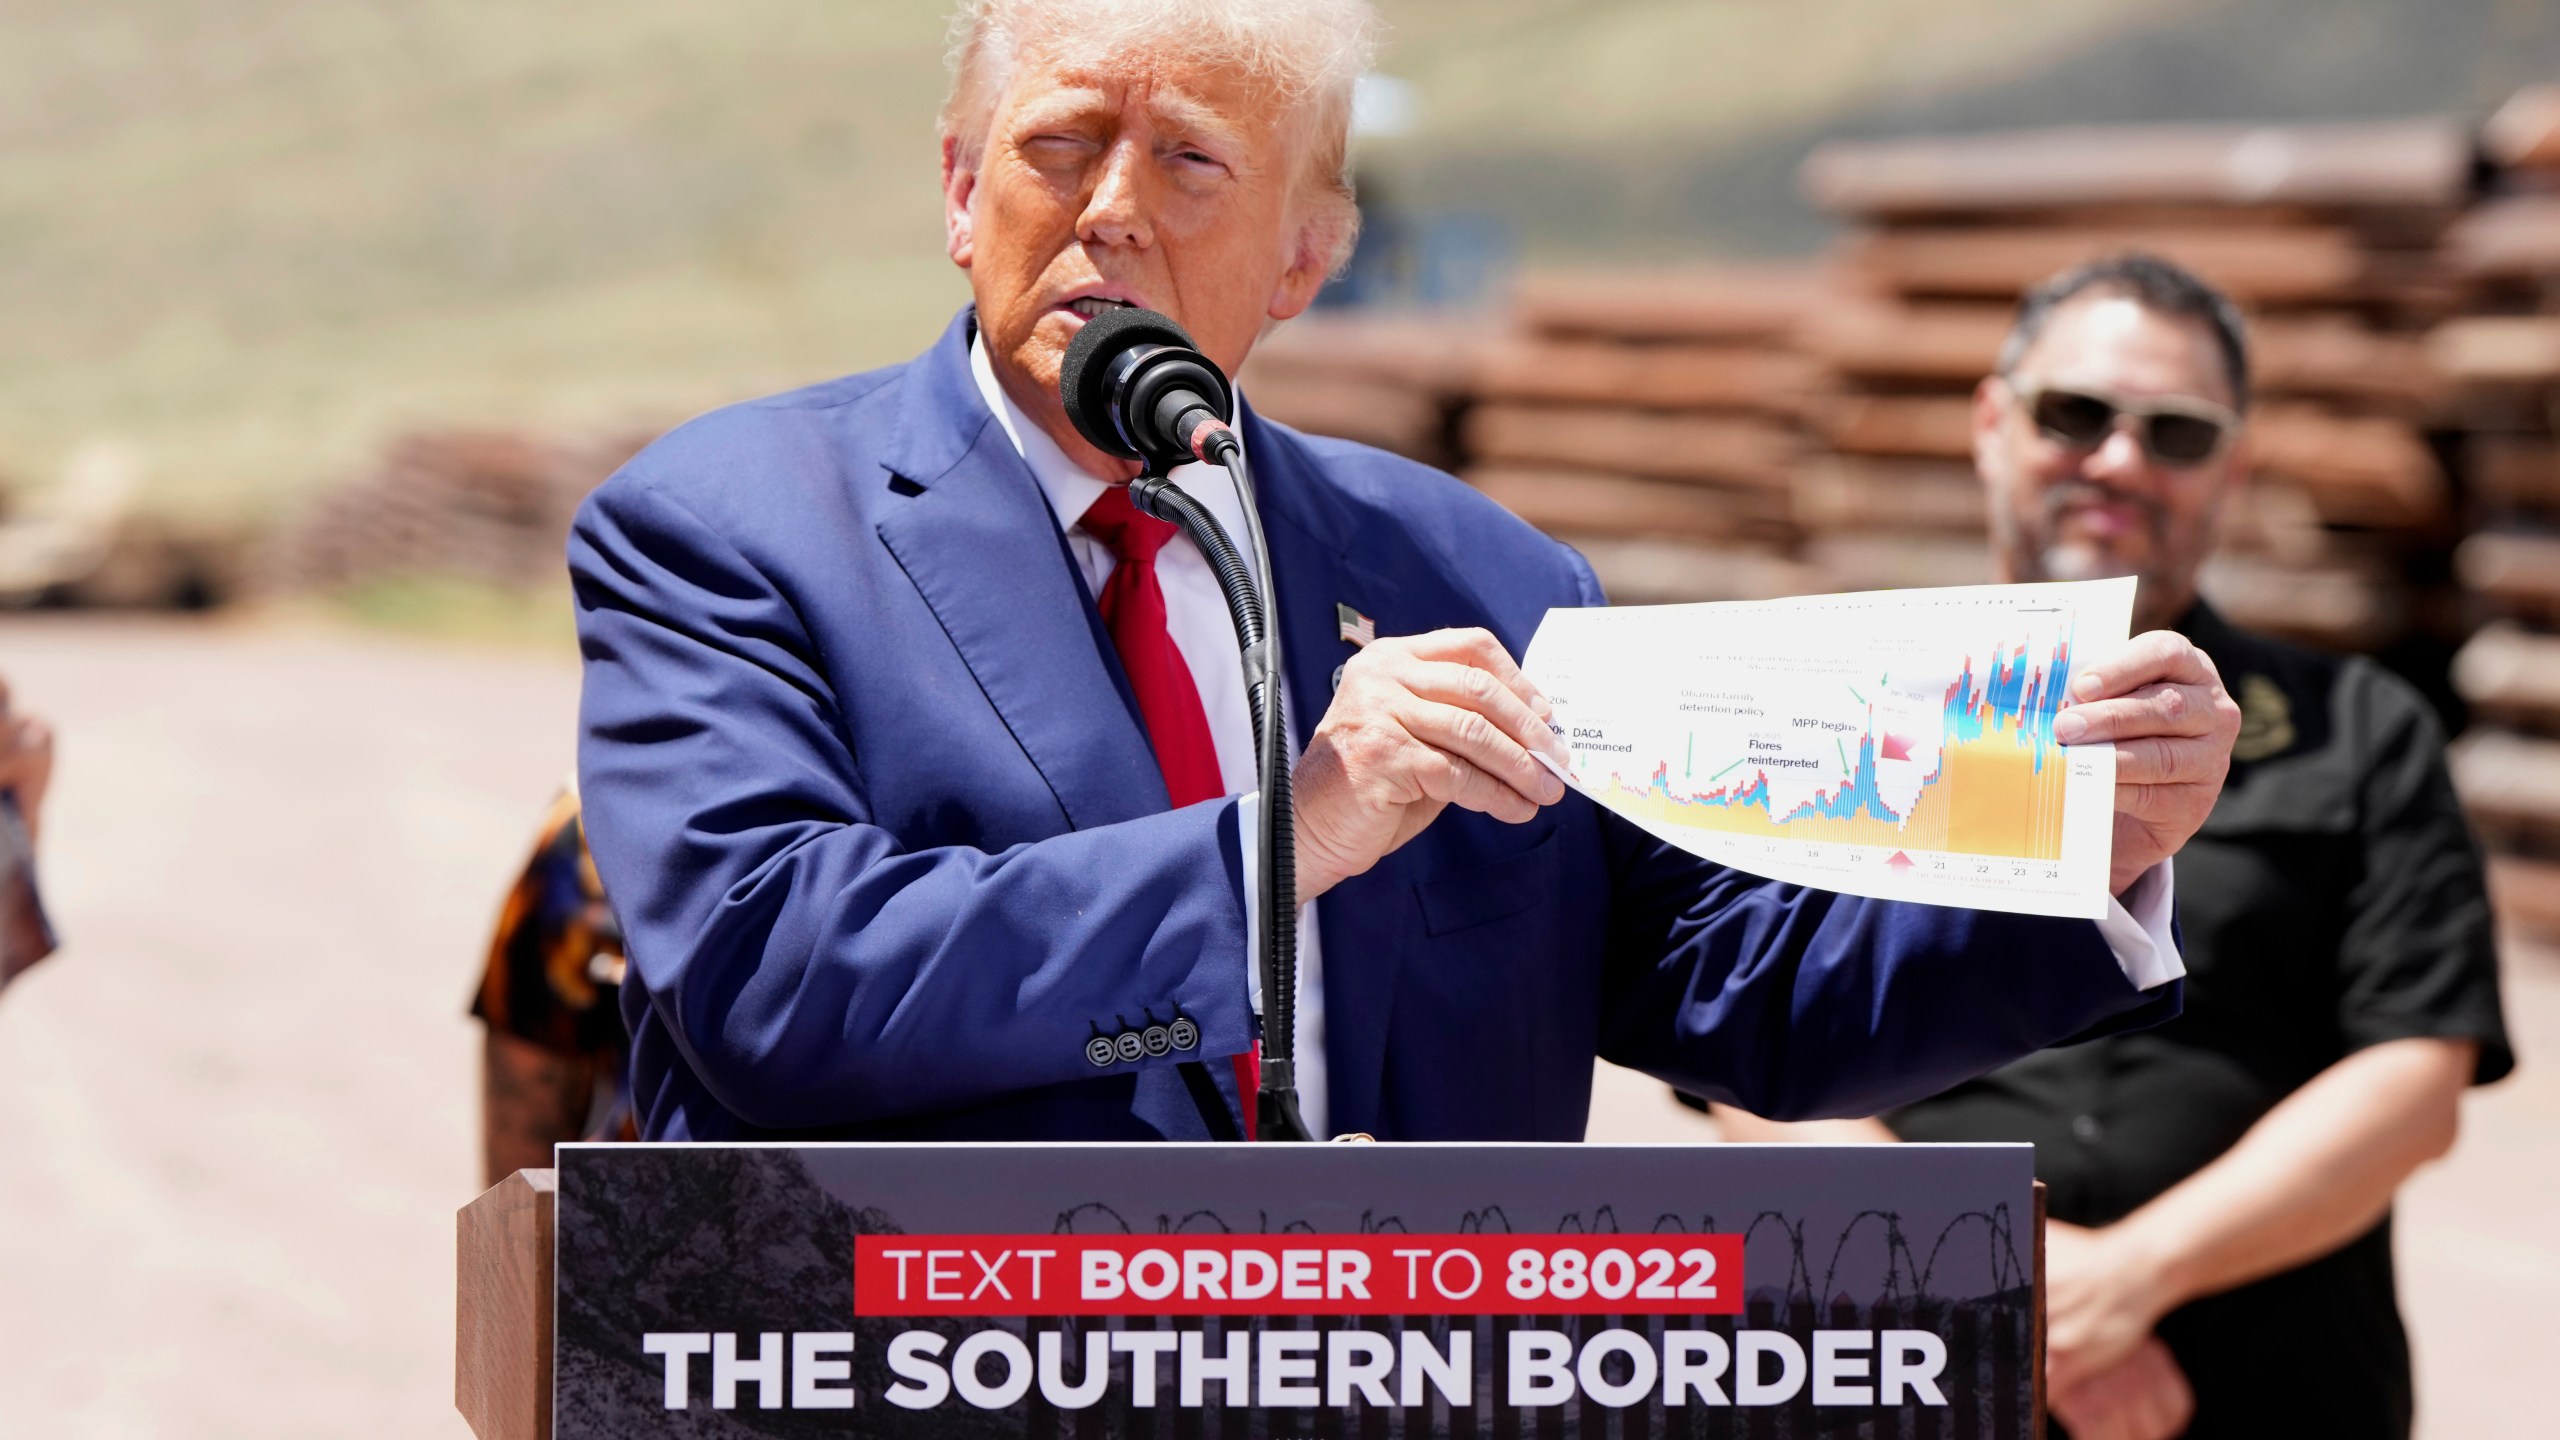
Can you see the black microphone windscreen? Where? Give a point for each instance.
(1084, 376)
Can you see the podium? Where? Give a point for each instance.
(1499, 1292)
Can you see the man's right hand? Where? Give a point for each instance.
(1419, 723)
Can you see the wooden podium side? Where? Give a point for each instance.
(2035, 1342)
(502, 1308)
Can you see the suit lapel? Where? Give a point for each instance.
(978, 541)
(981, 546)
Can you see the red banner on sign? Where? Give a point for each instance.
(964, 1275)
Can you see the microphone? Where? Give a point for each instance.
(1137, 387)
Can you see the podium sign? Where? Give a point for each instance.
(1233, 1292)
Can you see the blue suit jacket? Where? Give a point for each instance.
(870, 795)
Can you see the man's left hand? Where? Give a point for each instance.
(2101, 1301)
(2161, 703)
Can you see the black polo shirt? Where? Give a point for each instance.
(2333, 900)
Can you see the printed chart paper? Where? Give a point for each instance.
(1897, 743)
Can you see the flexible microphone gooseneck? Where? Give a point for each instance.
(1135, 386)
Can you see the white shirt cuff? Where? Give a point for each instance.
(2137, 929)
(1248, 827)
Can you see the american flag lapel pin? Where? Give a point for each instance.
(1357, 629)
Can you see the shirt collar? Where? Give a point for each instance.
(1069, 489)
(2211, 633)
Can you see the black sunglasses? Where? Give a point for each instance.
(2173, 430)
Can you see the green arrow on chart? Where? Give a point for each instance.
(1721, 773)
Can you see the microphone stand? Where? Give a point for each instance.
(1275, 1105)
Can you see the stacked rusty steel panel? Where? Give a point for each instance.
(2326, 235)
(1393, 381)
(1762, 430)
(2502, 358)
(1657, 422)
(492, 506)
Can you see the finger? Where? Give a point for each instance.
(2181, 1395)
(2156, 804)
(2098, 1417)
(1474, 688)
(1471, 737)
(2150, 710)
(2155, 1411)
(18, 749)
(2163, 760)
(26, 768)
(1450, 780)
(1481, 648)
(38, 738)
(2148, 658)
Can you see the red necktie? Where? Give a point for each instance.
(1132, 604)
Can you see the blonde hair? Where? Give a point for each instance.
(1309, 54)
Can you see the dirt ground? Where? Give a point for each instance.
(236, 1116)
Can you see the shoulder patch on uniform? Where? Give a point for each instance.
(2266, 719)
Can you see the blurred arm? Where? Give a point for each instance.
(2317, 1171)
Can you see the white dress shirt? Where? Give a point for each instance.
(1196, 614)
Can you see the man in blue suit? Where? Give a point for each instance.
(917, 766)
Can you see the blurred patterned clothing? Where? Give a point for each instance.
(554, 974)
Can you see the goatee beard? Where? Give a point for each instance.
(2081, 562)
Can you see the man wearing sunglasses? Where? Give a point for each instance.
(2219, 1262)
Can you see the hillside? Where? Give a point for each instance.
(1650, 165)
(254, 235)
(253, 238)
